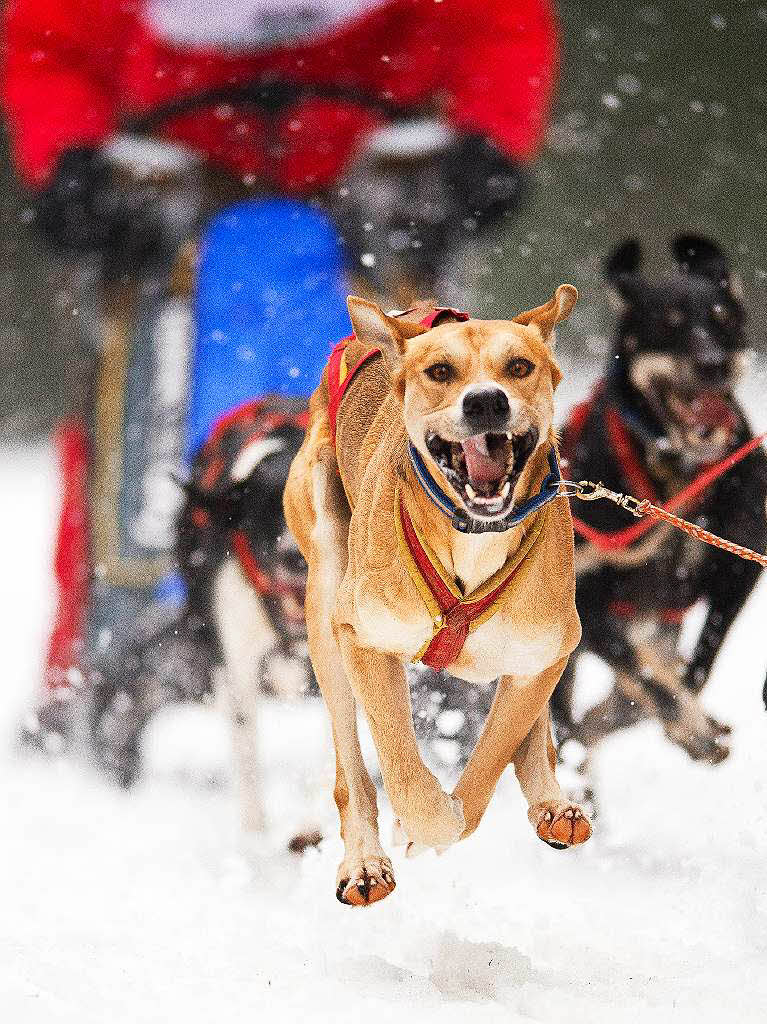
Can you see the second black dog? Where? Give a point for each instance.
(663, 413)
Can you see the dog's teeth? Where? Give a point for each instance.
(509, 436)
(471, 492)
(505, 489)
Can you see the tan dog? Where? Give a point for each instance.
(474, 399)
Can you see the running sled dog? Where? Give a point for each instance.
(663, 415)
(422, 500)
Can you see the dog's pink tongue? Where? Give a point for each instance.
(480, 464)
(712, 410)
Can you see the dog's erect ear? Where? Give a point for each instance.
(375, 328)
(626, 258)
(621, 269)
(547, 316)
(698, 255)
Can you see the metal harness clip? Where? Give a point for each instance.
(587, 490)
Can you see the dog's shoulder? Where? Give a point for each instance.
(368, 427)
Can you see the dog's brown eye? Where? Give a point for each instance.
(720, 313)
(520, 368)
(440, 372)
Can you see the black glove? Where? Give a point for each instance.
(482, 184)
(85, 208)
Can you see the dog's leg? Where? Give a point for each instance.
(561, 703)
(557, 821)
(365, 874)
(659, 689)
(517, 730)
(245, 635)
(618, 710)
(426, 813)
(729, 586)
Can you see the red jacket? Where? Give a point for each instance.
(75, 68)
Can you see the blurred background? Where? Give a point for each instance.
(659, 125)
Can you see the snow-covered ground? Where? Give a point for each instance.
(145, 908)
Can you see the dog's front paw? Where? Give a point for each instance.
(436, 821)
(560, 824)
(364, 879)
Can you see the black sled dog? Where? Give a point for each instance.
(661, 416)
(245, 577)
(244, 610)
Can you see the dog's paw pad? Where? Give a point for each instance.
(561, 825)
(367, 885)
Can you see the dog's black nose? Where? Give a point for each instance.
(486, 408)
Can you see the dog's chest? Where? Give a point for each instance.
(498, 646)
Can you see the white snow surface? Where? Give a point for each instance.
(147, 907)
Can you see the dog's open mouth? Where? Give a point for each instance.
(704, 416)
(484, 469)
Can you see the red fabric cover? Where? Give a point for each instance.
(448, 643)
(71, 566)
(73, 67)
(337, 387)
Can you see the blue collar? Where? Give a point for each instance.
(466, 523)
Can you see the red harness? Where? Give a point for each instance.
(232, 433)
(637, 478)
(641, 487)
(453, 616)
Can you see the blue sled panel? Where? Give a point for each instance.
(270, 306)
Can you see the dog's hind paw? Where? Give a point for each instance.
(560, 824)
(704, 743)
(364, 880)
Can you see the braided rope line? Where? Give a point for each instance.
(646, 508)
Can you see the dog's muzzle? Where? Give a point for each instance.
(484, 468)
